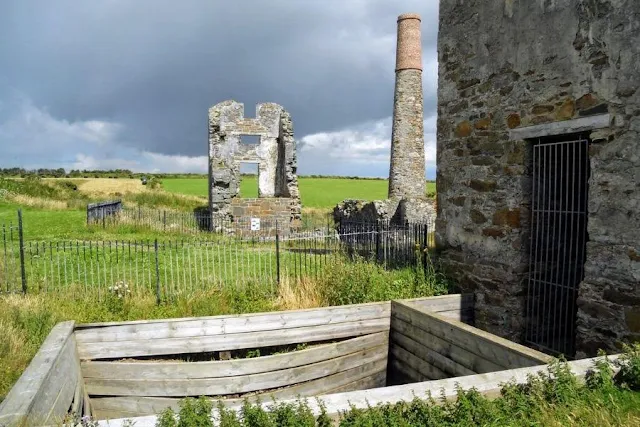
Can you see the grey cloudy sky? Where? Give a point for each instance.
(127, 83)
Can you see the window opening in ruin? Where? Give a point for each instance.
(251, 140)
(249, 172)
(560, 175)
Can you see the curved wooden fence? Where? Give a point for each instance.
(139, 368)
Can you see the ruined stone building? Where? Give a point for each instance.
(538, 176)
(274, 153)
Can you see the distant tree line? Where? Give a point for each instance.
(86, 173)
(126, 173)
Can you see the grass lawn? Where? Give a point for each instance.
(54, 224)
(315, 192)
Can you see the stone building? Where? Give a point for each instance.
(274, 153)
(538, 176)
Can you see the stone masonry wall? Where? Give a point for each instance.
(506, 64)
(272, 212)
(396, 211)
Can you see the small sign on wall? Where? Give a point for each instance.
(255, 224)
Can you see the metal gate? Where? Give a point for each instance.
(558, 241)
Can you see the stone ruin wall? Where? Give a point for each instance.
(396, 211)
(275, 156)
(274, 213)
(508, 64)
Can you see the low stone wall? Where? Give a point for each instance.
(397, 211)
(270, 211)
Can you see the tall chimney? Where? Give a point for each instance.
(406, 175)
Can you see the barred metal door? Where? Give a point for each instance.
(558, 241)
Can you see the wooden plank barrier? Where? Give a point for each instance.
(51, 385)
(221, 333)
(141, 387)
(430, 346)
(88, 369)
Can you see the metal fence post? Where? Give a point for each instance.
(23, 273)
(164, 220)
(277, 254)
(378, 238)
(425, 246)
(155, 245)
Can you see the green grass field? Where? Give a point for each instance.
(315, 192)
(54, 209)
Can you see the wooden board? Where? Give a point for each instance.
(371, 374)
(233, 384)
(457, 354)
(160, 370)
(488, 384)
(406, 372)
(503, 352)
(440, 361)
(90, 331)
(55, 396)
(144, 347)
(46, 388)
(378, 379)
(406, 358)
(441, 304)
(187, 327)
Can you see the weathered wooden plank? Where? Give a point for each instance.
(78, 397)
(378, 379)
(444, 303)
(111, 331)
(503, 352)
(465, 316)
(324, 384)
(86, 406)
(560, 128)
(233, 325)
(430, 356)
(370, 374)
(335, 403)
(408, 359)
(120, 349)
(451, 351)
(235, 384)
(56, 393)
(406, 371)
(193, 370)
(115, 407)
(19, 401)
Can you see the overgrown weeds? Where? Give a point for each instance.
(359, 281)
(555, 397)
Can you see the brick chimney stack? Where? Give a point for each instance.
(406, 175)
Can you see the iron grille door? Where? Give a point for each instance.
(558, 241)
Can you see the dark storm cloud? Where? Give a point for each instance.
(155, 66)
